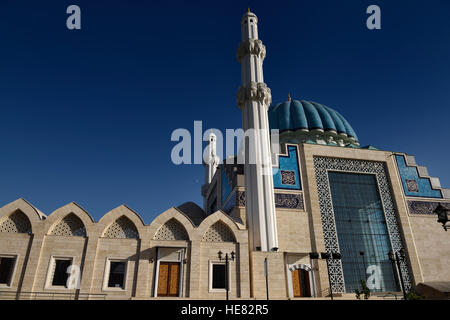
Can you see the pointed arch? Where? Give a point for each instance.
(16, 222)
(70, 225)
(122, 222)
(166, 216)
(237, 230)
(34, 215)
(219, 232)
(70, 220)
(122, 228)
(172, 230)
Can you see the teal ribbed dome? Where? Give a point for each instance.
(305, 116)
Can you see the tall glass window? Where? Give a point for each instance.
(362, 232)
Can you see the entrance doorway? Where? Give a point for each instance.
(300, 283)
(169, 279)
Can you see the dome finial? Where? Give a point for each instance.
(289, 96)
(248, 9)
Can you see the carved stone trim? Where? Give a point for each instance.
(256, 91)
(424, 207)
(282, 200)
(251, 46)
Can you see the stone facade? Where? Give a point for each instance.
(198, 237)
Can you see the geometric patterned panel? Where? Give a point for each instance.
(122, 228)
(287, 175)
(171, 230)
(321, 166)
(289, 201)
(414, 185)
(425, 207)
(71, 225)
(17, 222)
(219, 232)
(282, 200)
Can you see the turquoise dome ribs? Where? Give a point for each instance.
(300, 120)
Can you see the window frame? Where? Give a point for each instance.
(13, 271)
(106, 276)
(210, 273)
(51, 271)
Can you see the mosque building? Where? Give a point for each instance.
(330, 214)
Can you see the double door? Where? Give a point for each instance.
(300, 283)
(169, 279)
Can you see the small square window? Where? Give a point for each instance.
(60, 274)
(218, 276)
(117, 274)
(6, 270)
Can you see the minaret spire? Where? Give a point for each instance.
(253, 99)
(211, 162)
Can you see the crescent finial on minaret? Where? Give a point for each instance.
(289, 96)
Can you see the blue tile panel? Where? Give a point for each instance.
(287, 176)
(226, 186)
(409, 175)
(231, 204)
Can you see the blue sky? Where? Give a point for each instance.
(87, 115)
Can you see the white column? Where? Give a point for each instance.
(254, 98)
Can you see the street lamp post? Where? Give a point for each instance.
(442, 213)
(220, 253)
(396, 258)
(361, 253)
(313, 256)
(327, 256)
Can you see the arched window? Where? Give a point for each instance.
(17, 222)
(171, 230)
(71, 225)
(122, 228)
(219, 232)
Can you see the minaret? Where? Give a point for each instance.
(211, 162)
(253, 99)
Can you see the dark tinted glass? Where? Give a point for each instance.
(6, 269)
(362, 232)
(116, 275)
(60, 276)
(218, 278)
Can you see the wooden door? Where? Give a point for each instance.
(304, 283)
(169, 278)
(300, 283)
(296, 283)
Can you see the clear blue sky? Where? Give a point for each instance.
(87, 115)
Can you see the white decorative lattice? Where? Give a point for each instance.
(171, 230)
(219, 232)
(71, 225)
(17, 222)
(321, 166)
(122, 228)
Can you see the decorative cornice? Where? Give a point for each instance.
(256, 91)
(251, 46)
